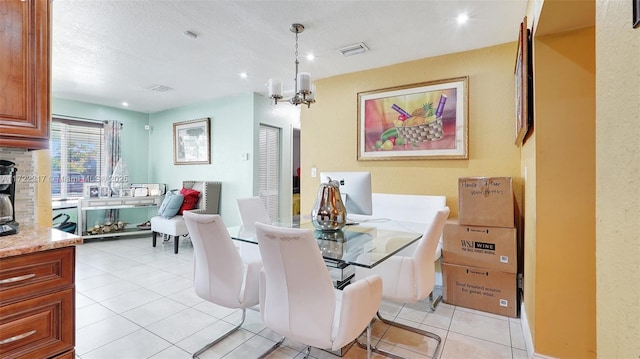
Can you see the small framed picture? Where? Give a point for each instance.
(90, 189)
(104, 192)
(140, 192)
(125, 193)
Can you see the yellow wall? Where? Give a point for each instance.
(329, 127)
(618, 180)
(563, 211)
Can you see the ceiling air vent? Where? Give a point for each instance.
(161, 88)
(354, 49)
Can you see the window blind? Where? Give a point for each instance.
(269, 169)
(77, 156)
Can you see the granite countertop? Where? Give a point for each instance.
(31, 238)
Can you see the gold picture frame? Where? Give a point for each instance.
(191, 142)
(420, 121)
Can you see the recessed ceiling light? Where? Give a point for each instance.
(311, 57)
(243, 75)
(125, 104)
(462, 19)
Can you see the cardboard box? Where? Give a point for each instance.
(483, 247)
(486, 201)
(481, 289)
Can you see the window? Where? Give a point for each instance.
(77, 149)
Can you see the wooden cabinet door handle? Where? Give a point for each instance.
(17, 279)
(17, 337)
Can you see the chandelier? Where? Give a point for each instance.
(304, 89)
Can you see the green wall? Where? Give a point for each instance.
(134, 137)
(232, 129)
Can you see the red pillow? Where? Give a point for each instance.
(191, 197)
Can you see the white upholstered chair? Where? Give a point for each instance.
(297, 297)
(408, 279)
(252, 210)
(412, 208)
(221, 276)
(208, 203)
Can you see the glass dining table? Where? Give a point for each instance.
(365, 244)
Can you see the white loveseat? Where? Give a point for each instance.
(208, 202)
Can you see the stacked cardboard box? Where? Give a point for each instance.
(480, 251)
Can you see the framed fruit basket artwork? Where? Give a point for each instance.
(420, 121)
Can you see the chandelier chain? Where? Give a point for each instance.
(296, 47)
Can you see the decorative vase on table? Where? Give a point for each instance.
(120, 178)
(329, 213)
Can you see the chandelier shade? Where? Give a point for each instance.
(304, 89)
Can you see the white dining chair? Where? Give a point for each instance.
(297, 297)
(409, 279)
(252, 210)
(221, 276)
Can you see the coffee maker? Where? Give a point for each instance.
(8, 224)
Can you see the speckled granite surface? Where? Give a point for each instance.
(31, 239)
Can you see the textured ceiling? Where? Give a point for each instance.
(108, 51)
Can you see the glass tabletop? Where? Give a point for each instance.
(365, 244)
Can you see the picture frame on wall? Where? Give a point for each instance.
(522, 84)
(426, 120)
(191, 142)
(636, 14)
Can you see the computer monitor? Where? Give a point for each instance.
(355, 188)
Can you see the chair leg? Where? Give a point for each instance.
(434, 302)
(369, 341)
(176, 240)
(154, 235)
(203, 349)
(415, 330)
(401, 326)
(273, 348)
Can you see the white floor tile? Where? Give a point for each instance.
(459, 346)
(482, 327)
(90, 314)
(181, 325)
(128, 301)
(110, 290)
(172, 352)
(139, 344)
(137, 301)
(173, 285)
(154, 311)
(103, 332)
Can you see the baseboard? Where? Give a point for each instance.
(526, 331)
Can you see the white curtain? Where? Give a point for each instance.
(112, 131)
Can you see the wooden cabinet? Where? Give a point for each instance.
(37, 304)
(25, 37)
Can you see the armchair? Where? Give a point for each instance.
(208, 203)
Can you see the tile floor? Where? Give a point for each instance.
(134, 301)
